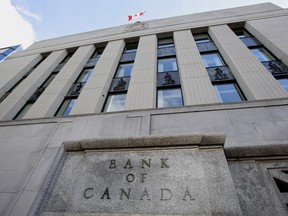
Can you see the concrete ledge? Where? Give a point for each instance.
(256, 151)
(92, 214)
(194, 139)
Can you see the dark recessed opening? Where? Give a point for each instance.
(282, 186)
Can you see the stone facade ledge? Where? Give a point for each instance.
(256, 151)
(179, 140)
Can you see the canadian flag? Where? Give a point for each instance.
(130, 17)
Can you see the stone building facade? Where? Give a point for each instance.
(179, 116)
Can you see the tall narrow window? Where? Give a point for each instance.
(275, 66)
(168, 80)
(169, 97)
(227, 92)
(221, 77)
(21, 80)
(75, 90)
(42, 88)
(116, 98)
(262, 54)
(124, 70)
(212, 60)
(115, 102)
(167, 64)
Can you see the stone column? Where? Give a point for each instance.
(254, 79)
(12, 70)
(93, 95)
(195, 82)
(48, 103)
(19, 96)
(272, 32)
(142, 88)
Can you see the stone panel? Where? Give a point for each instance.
(256, 190)
(177, 182)
(273, 131)
(6, 200)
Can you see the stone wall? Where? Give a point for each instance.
(29, 148)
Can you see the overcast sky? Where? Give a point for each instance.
(26, 21)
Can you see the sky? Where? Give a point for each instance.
(26, 21)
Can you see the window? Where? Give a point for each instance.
(227, 92)
(202, 38)
(165, 43)
(115, 102)
(124, 70)
(75, 90)
(66, 107)
(84, 76)
(212, 60)
(116, 97)
(169, 98)
(131, 48)
(167, 64)
(284, 83)
(3, 50)
(262, 54)
(97, 53)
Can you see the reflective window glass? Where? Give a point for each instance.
(3, 50)
(227, 93)
(124, 70)
(84, 76)
(167, 64)
(97, 53)
(115, 103)
(169, 98)
(165, 43)
(262, 54)
(283, 83)
(212, 60)
(66, 107)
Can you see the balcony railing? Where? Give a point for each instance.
(75, 89)
(276, 67)
(119, 84)
(168, 78)
(220, 73)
